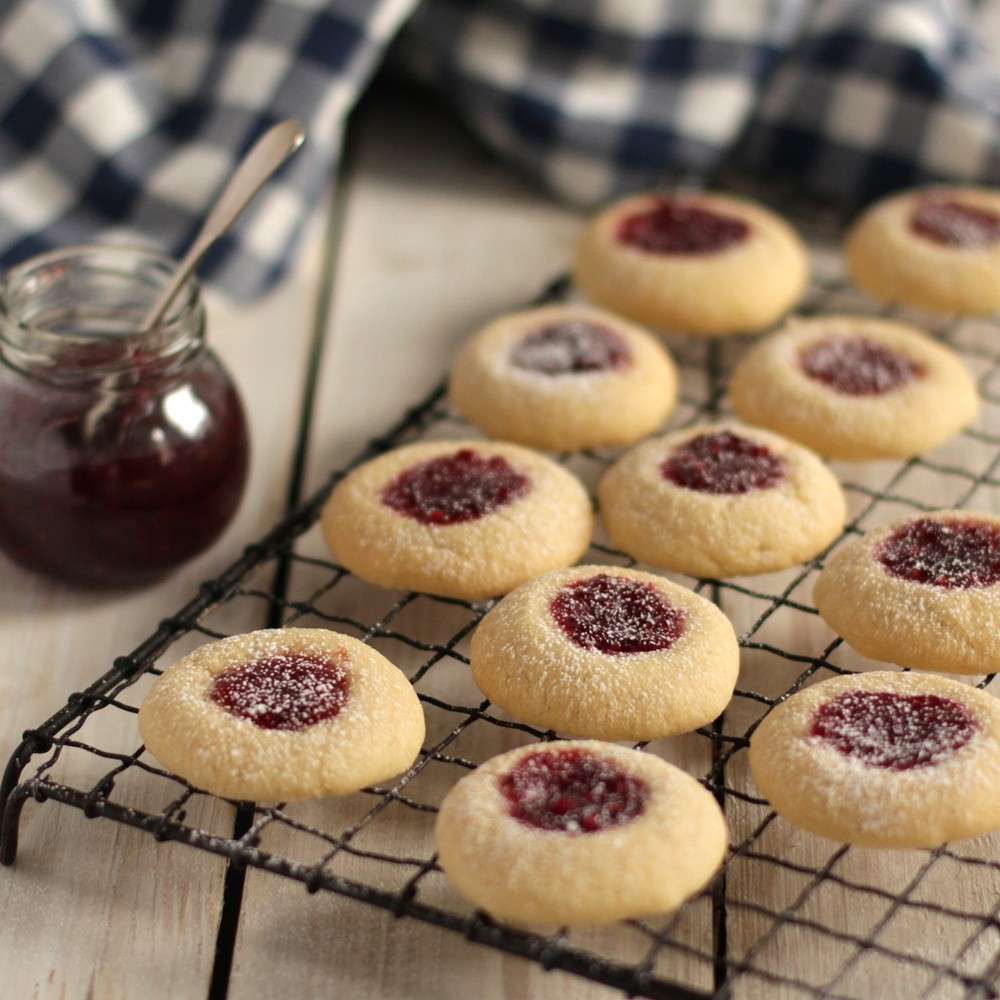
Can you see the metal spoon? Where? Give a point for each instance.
(267, 154)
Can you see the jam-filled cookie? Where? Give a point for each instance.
(578, 833)
(924, 593)
(937, 248)
(704, 264)
(855, 388)
(563, 378)
(607, 653)
(283, 714)
(721, 500)
(883, 759)
(467, 519)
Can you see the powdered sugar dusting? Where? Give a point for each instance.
(525, 663)
(723, 463)
(289, 691)
(616, 615)
(571, 347)
(572, 791)
(954, 554)
(893, 731)
(455, 488)
(857, 366)
(956, 224)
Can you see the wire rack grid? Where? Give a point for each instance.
(779, 893)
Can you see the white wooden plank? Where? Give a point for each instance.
(438, 238)
(91, 908)
(802, 954)
(434, 246)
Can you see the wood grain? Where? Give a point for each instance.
(95, 909)
(430, 251)
(909, 938)
(436, 241)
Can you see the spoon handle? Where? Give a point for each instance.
(268, 153)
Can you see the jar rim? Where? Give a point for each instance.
(30, 344)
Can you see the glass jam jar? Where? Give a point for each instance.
(122, 453)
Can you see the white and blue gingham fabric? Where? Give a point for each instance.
(122, 118)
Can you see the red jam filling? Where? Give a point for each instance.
(571, 347)
(857, 366)
(455, 488)
(954, 224)
(956, 555)
(613, 615)
(288, 691)
(118, 489)
(674, 227)
(723, 463)
(572, 791)
(894, 731)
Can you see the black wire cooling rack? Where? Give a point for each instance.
(788, 913)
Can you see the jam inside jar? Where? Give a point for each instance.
(122, 453)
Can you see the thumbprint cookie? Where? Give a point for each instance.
(720, 500)
(855, 388)
(883, 759)
(924, 593)
(704, 264)
(607, 653)
(283, 714)
(937, 248)
(578, 833)
(563, 378)
(465, 519)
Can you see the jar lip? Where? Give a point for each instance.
(186, 301)
(29, 343)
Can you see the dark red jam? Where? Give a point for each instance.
(857, 366)
(116, 488)
(290, 691)
(455, 488)
(894, 731)
(723, 463)
(681, 227)
(955, 224)
(571, 347)
(955, 555)
(572, 791)
(614, 615)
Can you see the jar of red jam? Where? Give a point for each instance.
(123, 452)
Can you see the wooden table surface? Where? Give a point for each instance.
(428, 238)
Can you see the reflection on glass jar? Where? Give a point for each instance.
(122, 453)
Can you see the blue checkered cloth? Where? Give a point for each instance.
(122, 118)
